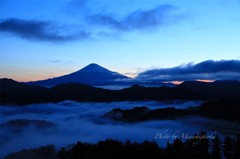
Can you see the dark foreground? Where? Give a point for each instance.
(198, 146)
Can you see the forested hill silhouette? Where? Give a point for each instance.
(224, 109)
(92, 74)
(199, 146)
(216, 89)
(13, 92)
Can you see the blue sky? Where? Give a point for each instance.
(42, 40)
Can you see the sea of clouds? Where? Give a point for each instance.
(71, 121)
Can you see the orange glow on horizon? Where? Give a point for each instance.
(34, 76)
(177, 82)
(208, 81)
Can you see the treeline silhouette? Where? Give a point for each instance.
(194, 148)
(13, 92)
(199, 146)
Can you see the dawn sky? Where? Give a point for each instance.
(43, 40)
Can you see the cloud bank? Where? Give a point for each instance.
(93, 25)
(138, 19)
(72, 122)
(40, 30)
(206, 70)
(84, 122)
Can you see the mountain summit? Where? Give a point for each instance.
(93, 74)
(94, 68)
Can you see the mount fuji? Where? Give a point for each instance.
(92, 74)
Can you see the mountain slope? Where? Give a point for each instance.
(93, 74)
(213, 90)
(13, 92)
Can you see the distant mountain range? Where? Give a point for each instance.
(96, 75)
(80, 86)
(92, 74)
(13, 92)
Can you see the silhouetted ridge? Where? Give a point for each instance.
(13, 92)
(92, 74)
(223, 109)
(214, 90)
(226, 108)
(191, 148)
(198, 146)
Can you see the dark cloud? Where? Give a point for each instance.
(206, 70)
(111, 26)
(138, 20)
(40, 30)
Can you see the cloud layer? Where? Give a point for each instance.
(39, 30)
(85, 122)
(138, 19)
(96, 25)
(206, 70)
